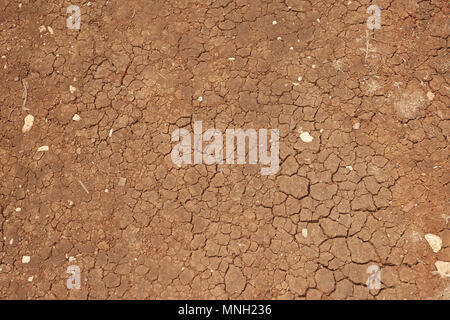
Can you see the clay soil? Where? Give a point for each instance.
(107, 197)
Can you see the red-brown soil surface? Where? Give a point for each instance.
(374, 180)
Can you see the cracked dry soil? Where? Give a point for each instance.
(106, 196)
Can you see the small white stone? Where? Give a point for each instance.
(122, 181)
(30, 279)
(291, 48)
(43, 148)
(306, 137)
(76, 117)
(50, 30)
(18, 209)
(356, 126)
(434, 241)
(11, 241)
(300, 78)
(106, 190)
(26, 259)
(72, 259)
(430, 95)
(279, 38)
(110, 132)
(443, 268)
(42, 29)
(72, 89)
(231, 58)
(349, 168)
(305, 233)
(200, 99)
(29, 120)
(274, 22)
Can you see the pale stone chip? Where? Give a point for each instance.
(306, 137)
(122, 181)
(305, 233)
(434, 241)
(443, 268)
(29, 120)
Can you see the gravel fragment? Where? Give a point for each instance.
(434, 241)
(443, 268)
(306, 137)
(29, 120)
(122, 181)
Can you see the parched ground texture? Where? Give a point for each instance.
(367, 189)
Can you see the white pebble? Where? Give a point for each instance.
(430, 95)
(305, 233)
(443, 268)
(43, 148)
(434, 241)
(18, 209)
(30, 279)
(72, 89)
(306, 137)
(274, 22)
(26, 259)
(122, 181)
(200, 99)
(76, 117)
(50, 30)
(356, 126)
(29, 120)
